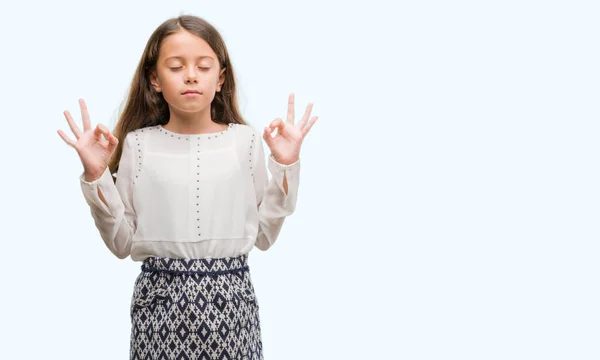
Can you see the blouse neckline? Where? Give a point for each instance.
(188, 136)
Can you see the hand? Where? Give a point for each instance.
(94, 146)
(285, 146)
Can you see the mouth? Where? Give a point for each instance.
(192, 92)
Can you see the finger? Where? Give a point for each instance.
(98, 133)
(64, 136)
(267, 137)
(74, 128)
(306, 129)
(108, 135)
(276, 124)
(84, 115)
(112, 139)
(290, 113)
(102, 131)
(306, 116)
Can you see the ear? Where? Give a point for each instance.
(154, 81)
(221, 79)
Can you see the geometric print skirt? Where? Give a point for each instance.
(195, 309)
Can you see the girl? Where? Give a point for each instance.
(191, 196)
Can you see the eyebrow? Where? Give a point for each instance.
(181, 57)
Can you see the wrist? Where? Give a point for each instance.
(91, 176)
(285, 160)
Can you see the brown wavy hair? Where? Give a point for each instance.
(145, 107)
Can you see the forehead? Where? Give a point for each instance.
(184, 44)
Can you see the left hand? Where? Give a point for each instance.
(285, 146)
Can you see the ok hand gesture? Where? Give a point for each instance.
(285, 146)
(94, 146)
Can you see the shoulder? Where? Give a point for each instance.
(135, 139)
(141, 133)
(246, 132)
(248, 137)
(144, 130)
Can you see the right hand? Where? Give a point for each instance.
(94, 146)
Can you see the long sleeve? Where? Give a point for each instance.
(117, 221)
(274, 205)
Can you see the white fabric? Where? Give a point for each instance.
(192, 196)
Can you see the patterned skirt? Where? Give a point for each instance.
(195, 309)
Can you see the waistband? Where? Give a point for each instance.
(215, 266)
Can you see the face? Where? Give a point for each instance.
(187, 72)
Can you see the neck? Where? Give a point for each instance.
(192, 123)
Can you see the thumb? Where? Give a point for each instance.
(112, 142)
(102, 130)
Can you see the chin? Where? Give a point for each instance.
(189, 109)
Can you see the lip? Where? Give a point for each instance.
(191, 92)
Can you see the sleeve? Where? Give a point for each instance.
(274, 205)
(117, 221)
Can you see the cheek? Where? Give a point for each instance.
(171, 81)
(170, 89)
(210, 80)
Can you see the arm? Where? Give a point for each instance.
(115, 216)
(274, 199)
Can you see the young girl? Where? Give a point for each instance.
(191, 196)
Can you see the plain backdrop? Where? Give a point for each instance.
(449, 197)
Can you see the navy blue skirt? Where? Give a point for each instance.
(195, 309)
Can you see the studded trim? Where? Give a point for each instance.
(138, 160)
(187, 137)
(198, 191)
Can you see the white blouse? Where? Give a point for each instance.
(192, 195)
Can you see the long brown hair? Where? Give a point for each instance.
(145, 107)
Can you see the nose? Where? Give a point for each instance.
(191, 80)
(190, 77)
